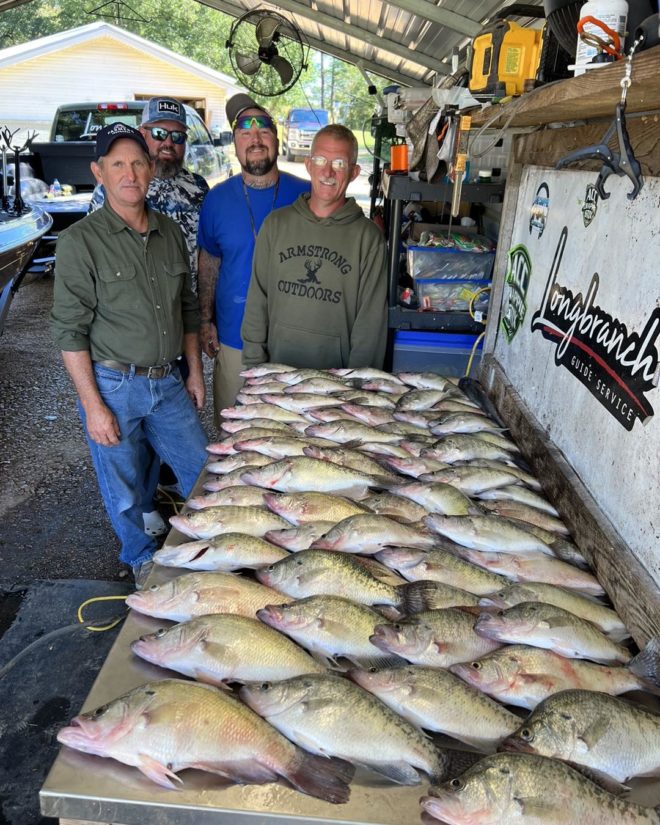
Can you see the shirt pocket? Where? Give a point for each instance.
(118, 287)
(177, 272)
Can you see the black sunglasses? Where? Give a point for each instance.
(160, 134)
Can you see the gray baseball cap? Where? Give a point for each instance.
(164, 108)
(237, 104)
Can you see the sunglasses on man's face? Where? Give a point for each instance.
(160, 134)
(248, 121)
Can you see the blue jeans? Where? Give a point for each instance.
(153, 414)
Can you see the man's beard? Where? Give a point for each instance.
(167, 168)
(260, 167)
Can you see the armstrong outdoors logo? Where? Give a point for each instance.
(516, 284)
(617, 366)
(309, 285)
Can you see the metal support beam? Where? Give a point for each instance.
(436, 14)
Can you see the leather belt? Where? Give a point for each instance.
(161, 371)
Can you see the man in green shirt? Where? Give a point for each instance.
(123, 313)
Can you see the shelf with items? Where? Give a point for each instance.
(401, 189)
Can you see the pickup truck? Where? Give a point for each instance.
(298, 131)
(68, 154)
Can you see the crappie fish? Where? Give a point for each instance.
(516, 492)
(234, 478)
(352, 459)
(524, 676)
(420, 418)
(453, 448)
(535, 567)
(437, 638)
(470, 480)
(295, 376)
(261, 410)
(278, 446)
(300, 402)
(235, 425)
(589, 609)
(420, 400)
(485, 463)
(385, 385)
(405, 431)
(214, 521)
(530, 790)
(366, 373)
(237, 461)
(226, 648)
(226, 446)
(436, 498)
(238, 496)
(593, 730)
(317, 572)
(300, 508)
(371, 399)
(269, 387)
(225, 553)
(301, 474)
(384, 450)
(545, 625)
(425, 380)
(497, 440)
(462, 422)
(197, 594)
(486, 533)
(561, 547)
(366, 533)
(396, 507)
(371, 416)
(312, 709)
(342, 432)
(415, 467)
(164, 727)
(441, 566)
(331, 628)
(328, 414)
(436, 700)
(317, 385)
(300, 538)
(522, 514)
(265, 369)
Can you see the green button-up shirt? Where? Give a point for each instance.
(121, 296)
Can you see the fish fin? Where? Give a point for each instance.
(594, 733)
(327, 661)
(207, 679)
(536, 808)
(400, 772)
(416, 596)
(159, 773)
(323, 778)
(602, 779)
(475, 510)
(646, 664)
(375, 662)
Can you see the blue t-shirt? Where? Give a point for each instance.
(225, 231)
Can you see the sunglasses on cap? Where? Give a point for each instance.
(338, 164)
(248, 121)
(160, 134)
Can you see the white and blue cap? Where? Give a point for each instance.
(163, 108)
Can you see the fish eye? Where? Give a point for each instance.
(265, 686)
(456, 784)
(153, 588)
(500, 612)
(475, 665)
(160, 633)
(566, 716)
(270, 569)
(526, 734)
(99, 711)
(299, 562)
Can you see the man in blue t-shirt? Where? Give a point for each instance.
(230, 220)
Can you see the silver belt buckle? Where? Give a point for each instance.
(159, 372)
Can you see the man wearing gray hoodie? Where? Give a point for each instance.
(318, 292)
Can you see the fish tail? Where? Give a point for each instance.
(323, 778)
(646, 664)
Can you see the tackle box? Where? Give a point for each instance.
(441, 352)
(451, 295)
(451, 262)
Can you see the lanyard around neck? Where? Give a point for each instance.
(249, 207)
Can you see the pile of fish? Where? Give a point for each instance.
(372, 564)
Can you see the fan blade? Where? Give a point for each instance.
(283, 68)
(248, 63)
(265, 31)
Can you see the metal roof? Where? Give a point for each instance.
(409, 41)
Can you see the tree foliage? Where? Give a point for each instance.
(199, 33)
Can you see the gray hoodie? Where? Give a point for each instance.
(318, 292)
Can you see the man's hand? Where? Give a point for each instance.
(102, 426)
(208, 339)
(196, 390)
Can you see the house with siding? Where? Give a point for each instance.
(99, 62)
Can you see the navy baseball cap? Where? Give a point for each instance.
(117, 131)
(163, 108)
